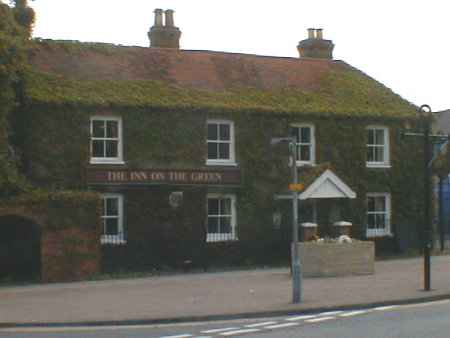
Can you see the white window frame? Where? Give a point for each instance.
(231, 160)
(232, 236)
(386, 231)
(107, 160)
(312, 144)
(120, 237)
(385, 163)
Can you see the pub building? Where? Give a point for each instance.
(176, 145)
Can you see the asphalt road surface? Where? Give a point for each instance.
(430, 320)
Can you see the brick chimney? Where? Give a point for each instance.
(164, 36)
(315, 46)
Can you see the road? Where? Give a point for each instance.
(402, 321)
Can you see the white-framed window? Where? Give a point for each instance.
(221, 211)
(378, 214)
(305, 143)
(106, 139)
(220, 142)
(377, 144)
(113, 231)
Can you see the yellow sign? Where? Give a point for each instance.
(296, 187)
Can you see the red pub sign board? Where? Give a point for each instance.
(162, 176)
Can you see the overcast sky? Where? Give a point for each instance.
(403, 44)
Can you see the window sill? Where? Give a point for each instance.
(113, 240)
(378, 165)
(101, 161)
(305, 164)
(212, 238)
(221, 163)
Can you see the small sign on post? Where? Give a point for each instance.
(296, 187)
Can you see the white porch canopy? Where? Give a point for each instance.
(327, 185)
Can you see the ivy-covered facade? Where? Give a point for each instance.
(177, 144)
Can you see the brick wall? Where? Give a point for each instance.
(69, 254)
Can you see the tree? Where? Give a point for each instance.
(16, 25)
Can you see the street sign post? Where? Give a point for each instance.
(294, 187)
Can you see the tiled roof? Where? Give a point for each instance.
(108, 75)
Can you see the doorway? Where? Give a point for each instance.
(20, 249)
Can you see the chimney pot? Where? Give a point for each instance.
(158, 17)
(169, 18)
(319, 33)
(315, 46)
(164, 36)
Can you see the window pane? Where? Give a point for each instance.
(98, 148)
(225, 225)
(112, 206)
(104, 207)
(305, 153)
(379, 154)
(213, 206)
(112, 129)
(370, 154)
(224, 151)
(370, 136)
(379, 136)
(225, 206)
(98, 128)
(295, 133)
(371, 221)
(213, 225)
(212, 151)
(111, 226)
(112, 148)
(305, 135)
(381, 224)
(225, 132)
(380, 204)
(212, 132)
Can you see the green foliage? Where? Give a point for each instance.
(57, 148)
(363, 97)
(24, 15)
(164, 125)
(57, 210)
(15, 29)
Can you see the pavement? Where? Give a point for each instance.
(220, 295)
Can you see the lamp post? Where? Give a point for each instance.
(425, 110)
(428, 140)
(295, 256)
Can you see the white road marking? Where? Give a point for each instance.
(220, 330)
(383, 308)
(229, 333)
(329, 313)
(320, 319)
(277, 326)
(178, 336)
(260, 324)
(301, 317)
(353, 313)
